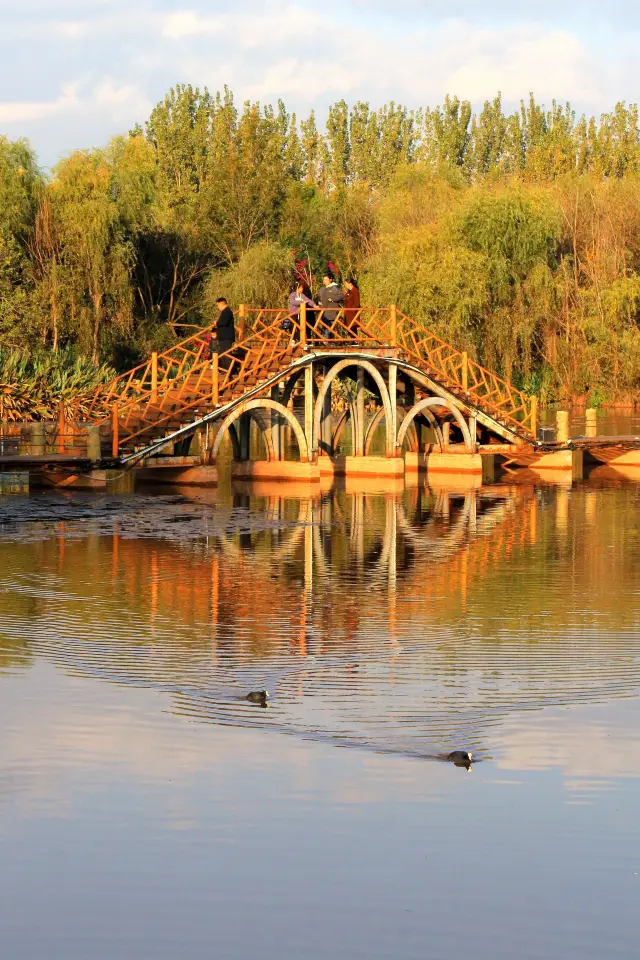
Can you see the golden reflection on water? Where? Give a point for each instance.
(397, 625)
(411, 623)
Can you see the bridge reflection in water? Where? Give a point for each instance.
(409, 623)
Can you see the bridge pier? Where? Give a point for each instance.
(393, 399)
(563, 466)
(280, 470)
(308, 411)
(350, 466)
(277, 438)
(449, 463)
(357, 428)
(244, 436)
(326, 423)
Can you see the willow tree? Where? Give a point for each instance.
(96, 251)
(247, 188)
(45, 247)
(20, 182)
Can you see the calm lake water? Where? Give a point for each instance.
(147, 810)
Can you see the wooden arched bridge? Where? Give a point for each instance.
(399, 383)
(406, 395)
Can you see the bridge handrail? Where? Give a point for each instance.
(486, 388)
(241, 357)
(169, 366)
(138, 376)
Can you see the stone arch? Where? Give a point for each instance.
(260, 404)
(423, 406)
(375, 422)
(379, 381)
(433, 423)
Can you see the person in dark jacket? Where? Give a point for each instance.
(352, 307)
(225, 329)
(330, 299)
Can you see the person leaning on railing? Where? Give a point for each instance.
(297, 297)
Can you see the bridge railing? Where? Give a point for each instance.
(162, 370)
(456, 369)
(210, 380)
(154, 374)
(387, 326)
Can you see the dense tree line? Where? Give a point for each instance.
(516, 236)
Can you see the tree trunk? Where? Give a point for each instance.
(97, 323)
(55, 321)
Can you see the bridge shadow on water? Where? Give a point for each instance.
(412, 622)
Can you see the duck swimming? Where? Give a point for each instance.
(461, 758)
(258, 696)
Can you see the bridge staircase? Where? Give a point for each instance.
(169, 395)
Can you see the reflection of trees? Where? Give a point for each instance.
(16, 608)
(311, 578)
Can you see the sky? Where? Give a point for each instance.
(73, 73)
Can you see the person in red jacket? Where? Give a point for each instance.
(352, 306)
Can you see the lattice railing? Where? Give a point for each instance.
(456, 370)
(162, 370)
(210, 381)
(155, 374)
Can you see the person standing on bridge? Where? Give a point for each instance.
(296, 298)
(352, 307)
(330, 299)
(225, 330)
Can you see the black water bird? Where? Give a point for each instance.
(258, 696)
(461, 758)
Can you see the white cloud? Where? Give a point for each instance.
(407, 50)
(26, 111)
(299, 28)
(72, 29)
(187, 23)
(417, 68)
(125, 102)
(122, 104)
(552, 63)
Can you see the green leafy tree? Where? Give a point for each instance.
(96, 251)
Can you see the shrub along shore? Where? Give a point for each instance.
(516, 236)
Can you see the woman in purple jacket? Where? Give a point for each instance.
(296, 298)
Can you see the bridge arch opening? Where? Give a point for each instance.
(325, 386)
(258, 408)
(378, 419)
(425, 408)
